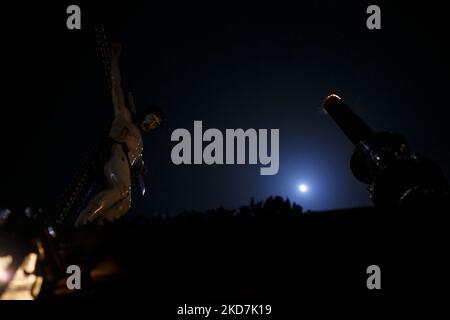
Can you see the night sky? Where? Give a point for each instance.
(231, 67)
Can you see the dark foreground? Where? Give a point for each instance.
(268, 251)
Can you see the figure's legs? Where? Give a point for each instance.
(115, 200)
(117, 210)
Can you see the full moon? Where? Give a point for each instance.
(303, 188)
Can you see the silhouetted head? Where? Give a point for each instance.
(150, 119)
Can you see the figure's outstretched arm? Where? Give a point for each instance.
(116, 81)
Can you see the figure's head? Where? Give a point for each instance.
(150, 119)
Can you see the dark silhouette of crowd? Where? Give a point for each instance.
(269, 249)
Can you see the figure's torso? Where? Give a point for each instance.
(123, 130)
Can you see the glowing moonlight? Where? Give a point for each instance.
(303, 188)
